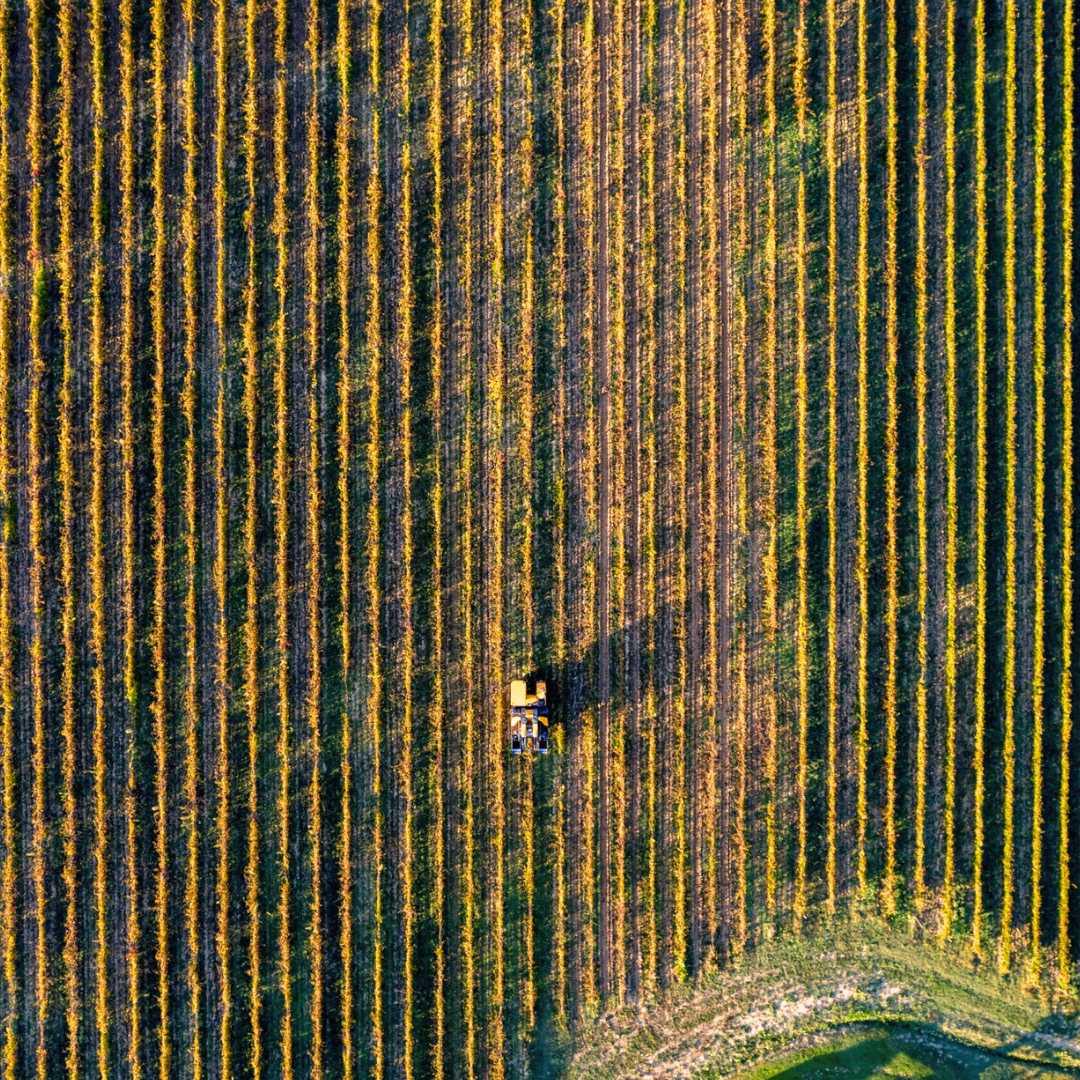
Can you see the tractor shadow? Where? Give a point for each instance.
(574, 687)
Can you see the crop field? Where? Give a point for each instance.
(850, 996)
(711, 358)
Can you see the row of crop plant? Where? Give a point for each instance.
(468, 356)
(891, 801)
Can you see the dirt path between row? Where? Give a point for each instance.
(604, 524)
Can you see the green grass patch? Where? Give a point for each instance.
(890, 1050)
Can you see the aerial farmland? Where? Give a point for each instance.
(527, 526)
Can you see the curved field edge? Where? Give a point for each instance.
(793, 989)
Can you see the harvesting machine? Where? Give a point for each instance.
(528, 716)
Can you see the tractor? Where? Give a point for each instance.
(528, 716)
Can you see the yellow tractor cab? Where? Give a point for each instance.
(528, 716)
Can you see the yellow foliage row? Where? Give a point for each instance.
(676, 574)
(769, 561)
(127, 456)
(604, 369)
(373, 350)
(981, 391)
(892, 445)
(802, 461)
(189, 241)
(741, 89)
(649, 936)
(70, 959)
(713, 364)
(436, 729)
(220, 569)
(35, 153)
(644, 963)
(682, 712)
(252, 902)
(951, 482)
(345, 400)
(922, 81)
(521, 340)
(493, 469)
(862, 553)
(831, 645)
(618, 241)
(1009, 665)
(280, 499)
(8, 925)
(520, 173)
(97, 513)
(703, 348)
(157, 438)
(630, 102)
(646, 276)
(314, 568)
(670, 404)
(558, 316)
(1038, 465)
(398, 522)
(460, 968)
(580, 462)
(687, 311)
(1067, 97)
